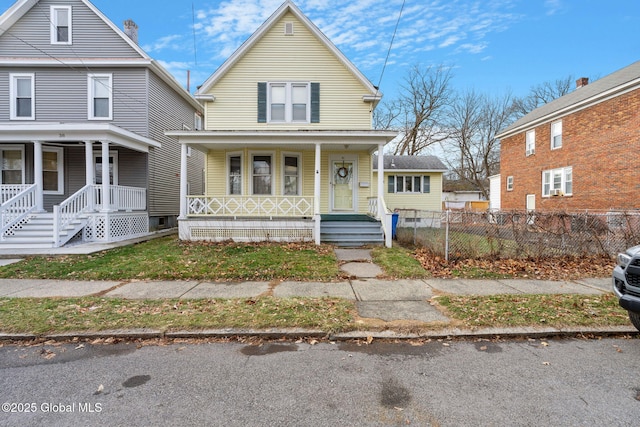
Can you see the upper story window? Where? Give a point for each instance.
(557, 182)
(288, 102)
(510, 183)
(100, 97)
(530, 142)
(409, 184)
(22, 97)
(556, 134)
(60, 24)
(197, 121)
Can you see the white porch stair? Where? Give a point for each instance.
(37, 232)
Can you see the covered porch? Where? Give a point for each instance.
(276, 185)
(54, 187)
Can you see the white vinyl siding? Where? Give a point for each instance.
(557, 181)
(100, 96)
(556, 135)
(61, 25)
(22, 96)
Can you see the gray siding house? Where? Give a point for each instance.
(77, 93)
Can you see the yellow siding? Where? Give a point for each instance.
(422, 201)
(276, 57)
(216, 178)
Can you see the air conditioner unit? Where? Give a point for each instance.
(557, 192)
(530, 151)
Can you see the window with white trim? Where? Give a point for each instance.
(409, 184)
(288, 102)
(61, 24)
(52, 170)
(100, 96)
(12, 164)
(262, 174)
(21, 93)
(556, 135)
(291, 172)
(234, 162)
(197, 121)
(510, 183)
(557, 182)
(530, 142)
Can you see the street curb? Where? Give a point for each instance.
(291, 334)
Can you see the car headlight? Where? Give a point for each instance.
(623, 260)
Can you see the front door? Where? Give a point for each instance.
(342, 181)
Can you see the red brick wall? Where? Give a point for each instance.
(602, 145)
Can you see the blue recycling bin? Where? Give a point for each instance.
(394, 224)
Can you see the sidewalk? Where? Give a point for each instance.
(387, 300)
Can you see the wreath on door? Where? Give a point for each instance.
(343, 172)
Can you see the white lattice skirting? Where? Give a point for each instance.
(112, 227)
(247, 230)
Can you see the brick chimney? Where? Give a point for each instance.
(582, 81)
(131, 30)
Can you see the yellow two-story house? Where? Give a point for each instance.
(288, 141)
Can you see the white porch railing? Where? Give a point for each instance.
(250, 206)
(9, 191)
(69, 211)
(122, 198)
(378, 209)
(17, 208)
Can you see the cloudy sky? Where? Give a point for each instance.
(492, 45)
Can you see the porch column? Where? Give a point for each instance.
(380, 181)
(316, 195)
(106, 190)
(89, 173)
(183, 181)
(37, 175)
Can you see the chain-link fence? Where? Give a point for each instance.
(456, 234)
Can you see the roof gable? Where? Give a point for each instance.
(615, 84)
(288, 7)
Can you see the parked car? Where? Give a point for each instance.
(626, 283)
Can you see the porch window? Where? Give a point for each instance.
(262, 171)
(113, 167)
(12, 163)
(52, 170)
(100, 97)
(22, 97)
(235, 175)
(291, 175)
(60, 24)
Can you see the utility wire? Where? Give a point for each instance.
(395, 30)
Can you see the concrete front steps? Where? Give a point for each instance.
(351, 230)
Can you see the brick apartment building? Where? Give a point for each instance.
(578, 152)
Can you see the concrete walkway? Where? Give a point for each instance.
(387, 300)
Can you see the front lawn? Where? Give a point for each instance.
(168, 258)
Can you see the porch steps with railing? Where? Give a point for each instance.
(37, 232)
(351, 230)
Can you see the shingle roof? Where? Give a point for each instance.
(615, 83)
(422, 163)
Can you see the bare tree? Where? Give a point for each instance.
(543, 93)
(473, 151)
(419, 112)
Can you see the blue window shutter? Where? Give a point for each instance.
(315, 102)
(262, 102)
(426, 181)
(391, 187)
